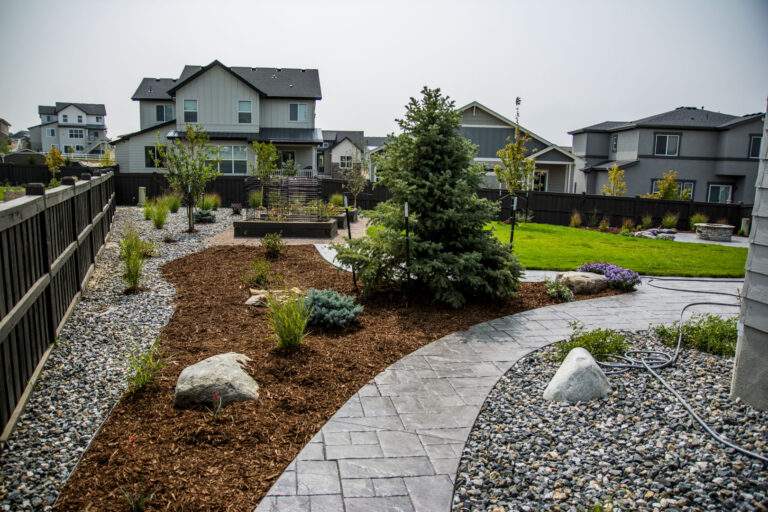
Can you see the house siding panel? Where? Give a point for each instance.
(275, 113)
(478, 116)
(490, 140)
(148, 113)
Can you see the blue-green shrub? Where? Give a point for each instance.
(332, 309)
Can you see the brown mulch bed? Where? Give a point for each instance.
(189, 460)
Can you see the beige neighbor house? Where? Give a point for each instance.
(490, 131)
(235, 106)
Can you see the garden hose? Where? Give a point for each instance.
(652, 360)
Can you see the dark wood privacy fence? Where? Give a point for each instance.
(16, 174)
(48, 244)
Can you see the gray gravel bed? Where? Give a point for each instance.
(636, 450)
(85, 374)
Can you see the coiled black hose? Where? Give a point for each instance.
(652, 360)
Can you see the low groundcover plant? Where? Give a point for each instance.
(618, 277)
(601, 343)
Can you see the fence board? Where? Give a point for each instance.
(42, 261)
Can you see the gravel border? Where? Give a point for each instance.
(637, 449)
(85, 374)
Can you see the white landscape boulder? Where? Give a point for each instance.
(579, 379)
(220, 376)
(583, 282)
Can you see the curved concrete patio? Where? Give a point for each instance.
(395, 445)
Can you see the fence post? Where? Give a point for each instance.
(71, 181)
(87, 177)
(38, 189)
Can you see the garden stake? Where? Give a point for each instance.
(349, 233)
(512, 224)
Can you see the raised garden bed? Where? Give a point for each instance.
(288, 229)
(191, 461)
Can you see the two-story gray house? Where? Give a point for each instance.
(491, 131)
(78, 130)
(714, 154)
(235, 106)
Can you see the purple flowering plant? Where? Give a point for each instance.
(618, 277)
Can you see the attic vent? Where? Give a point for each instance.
(274, 76)
(150, 88)
(157, 79)
(279, 70)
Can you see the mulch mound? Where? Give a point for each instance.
(191, 460)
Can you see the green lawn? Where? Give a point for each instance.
(547, 247)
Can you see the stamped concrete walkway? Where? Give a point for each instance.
(396, 444)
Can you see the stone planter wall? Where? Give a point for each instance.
(714, 232)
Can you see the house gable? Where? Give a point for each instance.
(554, 155)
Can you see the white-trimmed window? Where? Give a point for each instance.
(51, 132)
(682, 185)
(190, 111)
(540, 181)
(345, 162)
(163, 113)
(666, 144)
(233, 160)
(754, 146)
(64, 118)
(79, 148)
(614, 141)
(719, 193)
(98, 119)
(244, 112)
(298, 112)
(76, 133)
(79, 119)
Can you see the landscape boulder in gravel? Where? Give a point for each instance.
(583, 282)
(221, 375)
(579, 379)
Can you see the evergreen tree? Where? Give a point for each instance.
(453, 257)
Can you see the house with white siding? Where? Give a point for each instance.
(79, 130)
(235, 106)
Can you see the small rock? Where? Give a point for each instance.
(583, 282)
(221, 374)
(579, 379)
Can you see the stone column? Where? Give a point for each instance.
(750, 372)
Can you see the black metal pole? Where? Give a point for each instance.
(349, 233)
(407, 252)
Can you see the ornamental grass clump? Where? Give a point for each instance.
(131, 242)
(707, 333)
(256, 199)
(143, 366)
(697, 218)
(149, 208)
(601, 343)
(171, 201)
(670, 220)
(332, 309)
(646, 221)
(618, 277)
(558, 291)
(209, 202)
(576, 220)
(288, 318)
(159, 215)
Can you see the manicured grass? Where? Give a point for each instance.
(547, 247)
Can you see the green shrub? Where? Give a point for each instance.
(132, 243)
(288, 319)
(646, 222)
(258, 275)
(142, 367)
(256, 199)
(332, 309)
(133, 266)
(558, 291)
(149, 208)
(698, 218)
(669, 221)
(601, 343)
(204, 217)
(575, 220)
(159, 215)
(604, 225)
(171, 201)
(208, 202)
(708, 333)
(273, 245)
(628, 224)
(337, 200)
(215, 200)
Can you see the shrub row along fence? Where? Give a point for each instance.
(546, 207)
(48, 244)
(15, 174)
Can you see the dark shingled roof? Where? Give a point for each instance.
(335, 137)
(123, 138)
(93, 109)
(276, 135)
(271, 82)
(681, 117)
(375, 141)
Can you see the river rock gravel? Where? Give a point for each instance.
(85, 374)
(638, 449)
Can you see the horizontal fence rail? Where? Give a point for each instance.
(48, 245)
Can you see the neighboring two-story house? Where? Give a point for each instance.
(235, 106)
(76, 129)
(490, 131)
(339, 151)
(714, 154)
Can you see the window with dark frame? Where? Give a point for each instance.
(76, 133)
(152, 158)
(65, 118)
(286, 156)
(719, 193)
(614, 142)
(298, 112)
(754, 146)
(345, 162)
(233, 160)
(79, 119)
(163, 113)
(540, 179)
(244, 112)
(666, 144)
(689, 185)
(190, 111)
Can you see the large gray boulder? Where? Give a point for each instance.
(579, 379)
(583, 282)
(220, 376)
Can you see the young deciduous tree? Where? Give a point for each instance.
(191, 164)
(266, 163)
(54, 161)
(669, 188)
(107, 158)
(453, 257)
(355, 178)
(616, 185)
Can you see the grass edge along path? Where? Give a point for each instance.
(550, 247)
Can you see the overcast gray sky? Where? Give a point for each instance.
(573, 63)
